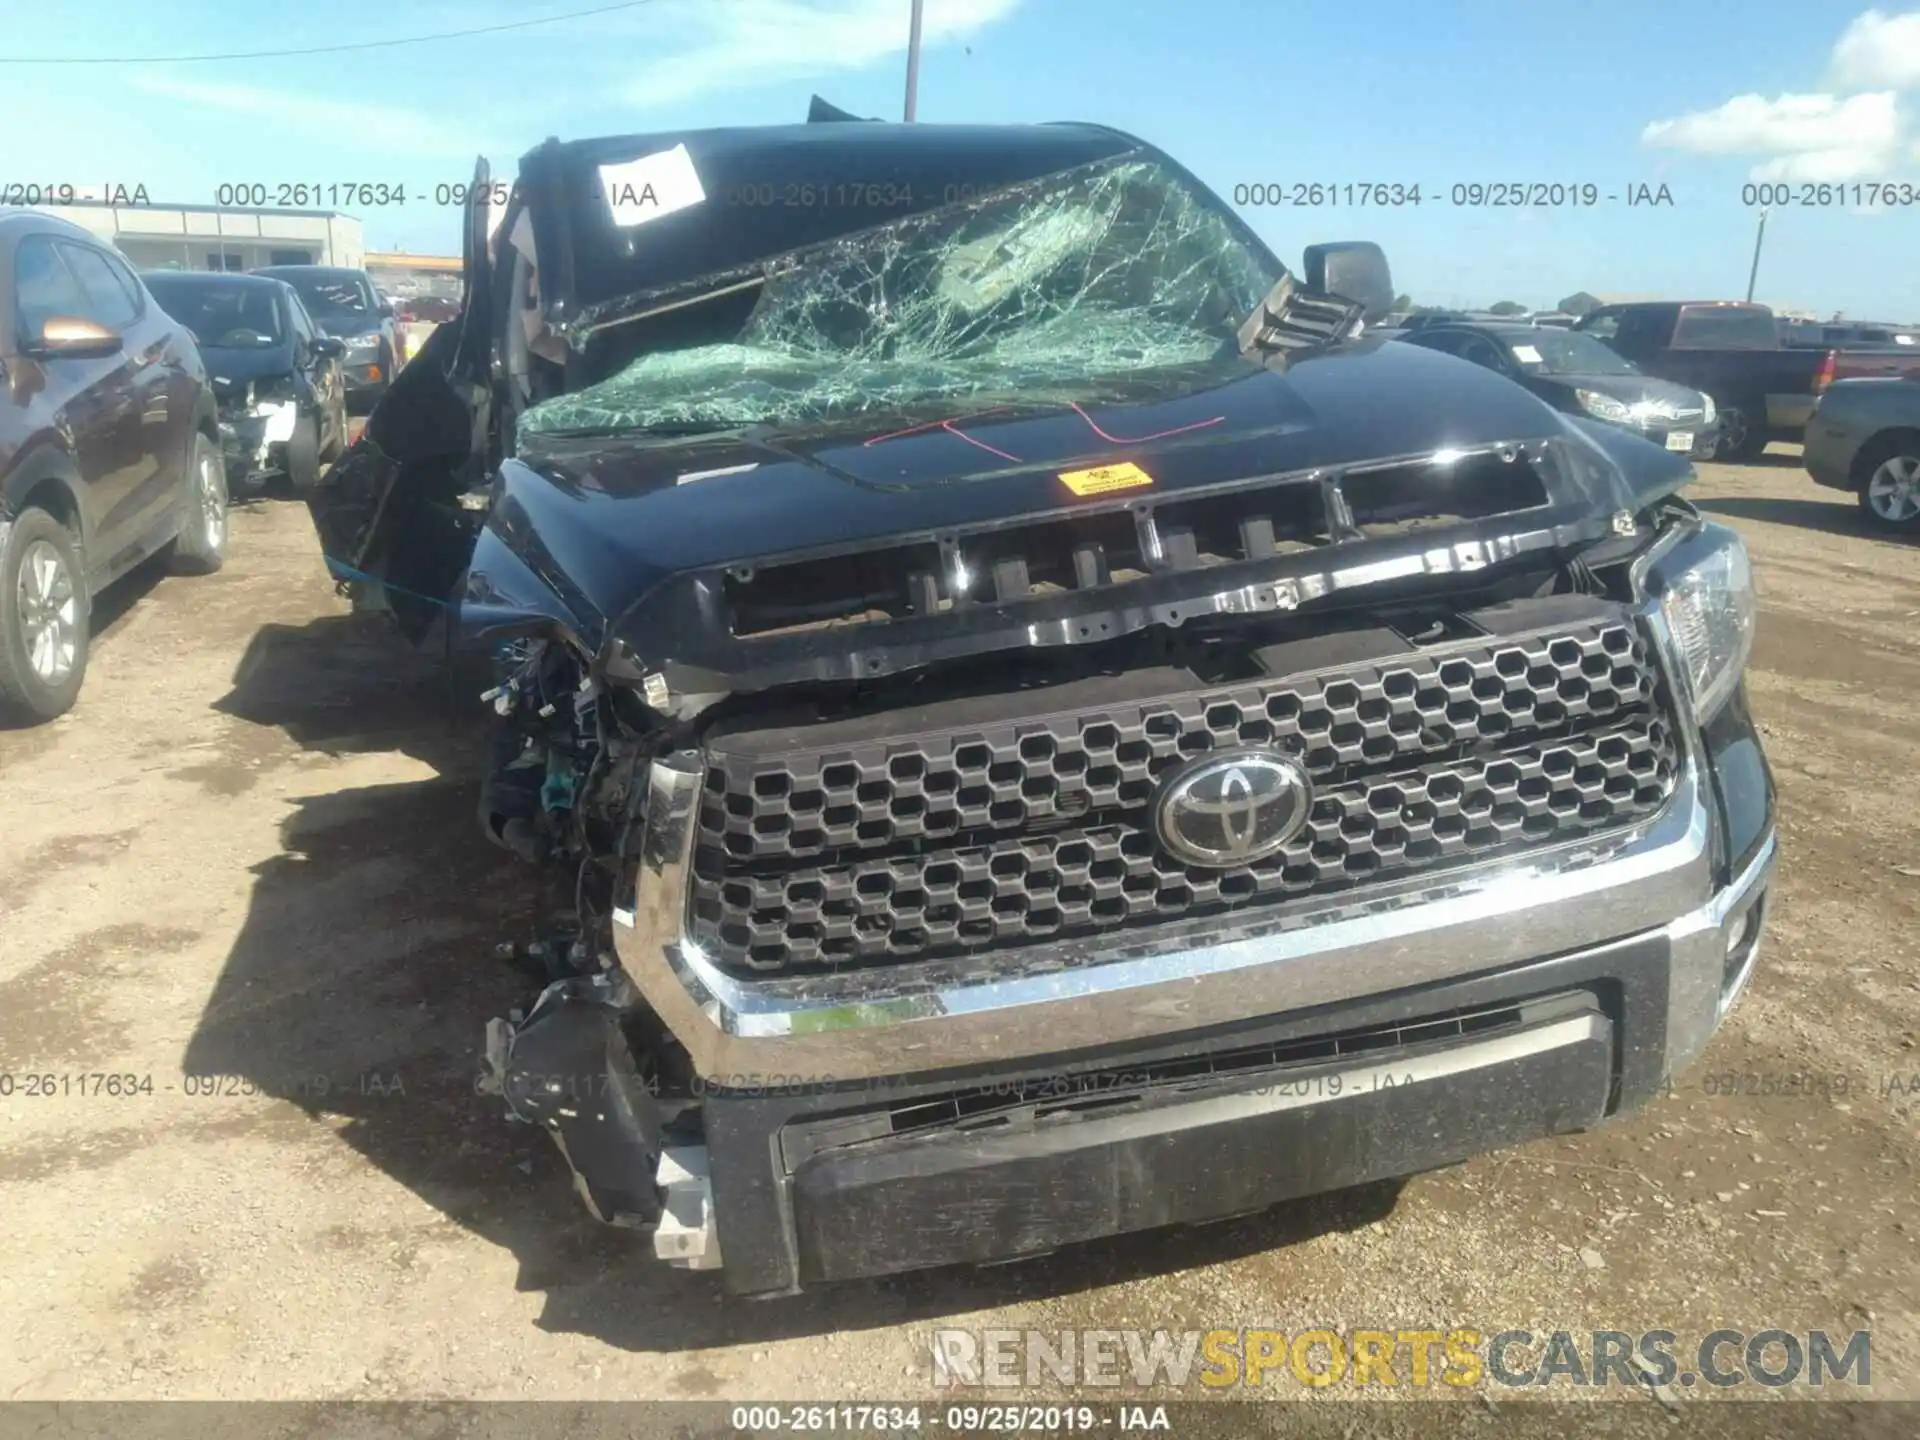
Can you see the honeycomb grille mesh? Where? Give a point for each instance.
(1039, 828)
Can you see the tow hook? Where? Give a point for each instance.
(687, 1236)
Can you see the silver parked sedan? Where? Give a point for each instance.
(1865, 437)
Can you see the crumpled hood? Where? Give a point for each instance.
(603, 523)
(887, 474)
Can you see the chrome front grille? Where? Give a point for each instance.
(1034, 824)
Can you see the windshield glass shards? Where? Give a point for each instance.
(1052, 290)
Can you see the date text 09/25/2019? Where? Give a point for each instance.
(1463, 194)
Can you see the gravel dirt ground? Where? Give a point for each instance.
(250, 853)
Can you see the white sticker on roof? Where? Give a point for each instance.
(1526, 354)
(654, 185)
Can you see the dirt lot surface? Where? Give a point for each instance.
(249, 853)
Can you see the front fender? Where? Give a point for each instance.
(47, 463)
(502, 594)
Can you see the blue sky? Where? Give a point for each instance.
(1701, 95)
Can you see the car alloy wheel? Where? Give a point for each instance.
(210, 503)
(48, 604)
(1893, 490)
(1733, 433)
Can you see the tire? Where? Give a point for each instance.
(336, 440)
(201, 546)
(43, 619)
(337, 445)
(1890, 487)
(1739, 439)
(303, 456)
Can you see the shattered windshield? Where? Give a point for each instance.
(1063, 288)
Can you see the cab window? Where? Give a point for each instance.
(43, 287)
(1603, 325)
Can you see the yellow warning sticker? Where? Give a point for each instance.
(1102, 478)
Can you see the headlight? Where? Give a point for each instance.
(1709, 610)
(1710, 414)
(1603, 406)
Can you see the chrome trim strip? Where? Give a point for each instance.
(1123, 986)
(1328, 1088)
(1729, 908)
(1698, 995)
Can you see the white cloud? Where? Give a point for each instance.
(1810, 137)
(390, 129)
(1878, 51)
(1752, 124)
(1824, 165)
(743, 43)
(1852, 130)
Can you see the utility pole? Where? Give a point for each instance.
(913, 57)
(1760, 235)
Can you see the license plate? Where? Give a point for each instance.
(1679, 440)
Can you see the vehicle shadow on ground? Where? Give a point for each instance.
(111, 605)
(108, 608)
(362, 979)
(1838, 516)
(1776, 459)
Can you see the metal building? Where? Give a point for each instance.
(214, 237)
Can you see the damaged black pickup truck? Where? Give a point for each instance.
(1053, 729)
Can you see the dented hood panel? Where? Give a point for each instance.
(593, 531)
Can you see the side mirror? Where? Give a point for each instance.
(1354, 270)
(75, 338)
(328, 348)
(386, 309)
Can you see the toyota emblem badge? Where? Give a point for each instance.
(1232, 807)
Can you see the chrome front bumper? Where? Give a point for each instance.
(1122, 987)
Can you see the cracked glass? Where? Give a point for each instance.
(1070, 287)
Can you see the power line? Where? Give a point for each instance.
(314, 49)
